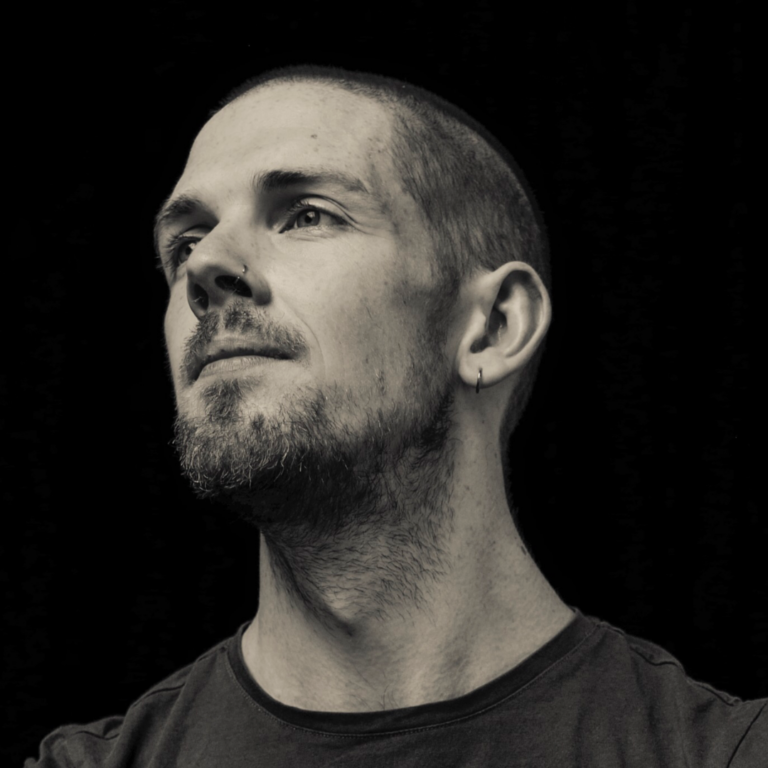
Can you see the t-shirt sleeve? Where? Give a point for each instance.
(752, 751)
(77, 746)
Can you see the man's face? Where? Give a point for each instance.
(295, 183)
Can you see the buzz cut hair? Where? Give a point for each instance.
(477, 207)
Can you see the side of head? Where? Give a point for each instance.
(472, 197)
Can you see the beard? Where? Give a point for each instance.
(303, 467)
(324, 475)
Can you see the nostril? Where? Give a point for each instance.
(199, 296)
(234, 284)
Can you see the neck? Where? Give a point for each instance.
(381, 620)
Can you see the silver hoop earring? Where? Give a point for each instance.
(479, 381)
(245, 269)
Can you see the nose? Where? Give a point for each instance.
(217, 272)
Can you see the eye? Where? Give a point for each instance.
(304, 215)
(184, 251)
(308, 218)
(180, 248)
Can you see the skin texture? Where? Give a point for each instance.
(391, 571)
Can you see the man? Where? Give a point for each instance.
(358, 304)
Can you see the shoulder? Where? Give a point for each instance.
(655, 669)
(107, 741)
(654, 692)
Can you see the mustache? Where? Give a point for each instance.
(252, 325)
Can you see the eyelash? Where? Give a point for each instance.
(177, 242)
(170, 256)
(301, 206)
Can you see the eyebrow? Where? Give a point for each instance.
(278, 180)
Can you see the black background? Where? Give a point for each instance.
(637, 467)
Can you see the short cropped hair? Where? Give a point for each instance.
(478, 208)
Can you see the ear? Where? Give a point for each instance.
(509, 316)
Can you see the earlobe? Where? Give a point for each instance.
(510, 316)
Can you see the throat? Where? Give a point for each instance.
(340, 654)
(343, 582)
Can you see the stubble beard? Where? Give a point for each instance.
(367, 497)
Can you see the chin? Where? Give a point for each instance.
(313, 459)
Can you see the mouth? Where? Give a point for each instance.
(246, 355)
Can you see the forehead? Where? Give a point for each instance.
(295, 125)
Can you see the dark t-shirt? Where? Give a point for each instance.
(593, 696)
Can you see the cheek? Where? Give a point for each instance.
(374, 330)
(178, 325)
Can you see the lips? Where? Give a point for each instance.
(224, 348)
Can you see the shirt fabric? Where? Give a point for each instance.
(593, 696)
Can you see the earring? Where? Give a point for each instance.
(479, 380)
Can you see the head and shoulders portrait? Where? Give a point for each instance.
(398, 467)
